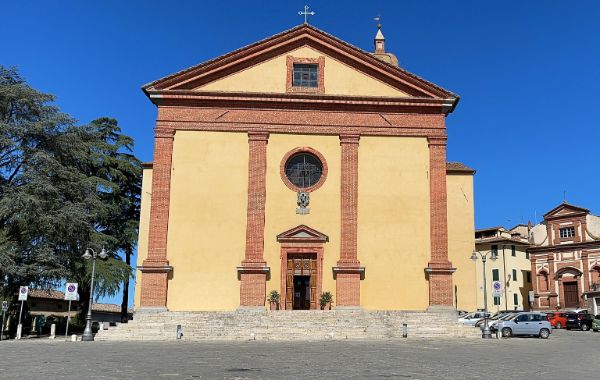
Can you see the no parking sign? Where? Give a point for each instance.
(496, 288)
(71, 291)
(23, 292)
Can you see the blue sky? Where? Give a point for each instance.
(528, 74)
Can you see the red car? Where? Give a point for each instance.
(558, 319)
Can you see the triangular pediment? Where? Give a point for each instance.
(565, 210)
(302, 233)
(254, 68)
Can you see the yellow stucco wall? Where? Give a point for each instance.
(207, 221)
(461, 238)
(280, 208)
(142, 248)
(393, 222)
(270, 77)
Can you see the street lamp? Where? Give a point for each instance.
(88, 336)
(486, 333)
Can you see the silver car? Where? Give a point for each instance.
(525, 324)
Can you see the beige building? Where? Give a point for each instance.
(302, 164)
(512, 267)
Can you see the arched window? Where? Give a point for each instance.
(543, 282)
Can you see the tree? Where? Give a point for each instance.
(63, 188)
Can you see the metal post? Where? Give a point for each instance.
(20, 326)
(2, 326)
(88, 335)
(486, 334)
(68, 319)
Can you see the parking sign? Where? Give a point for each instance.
(496, 288)
(4, 305)
(71, 291)
(23, 292)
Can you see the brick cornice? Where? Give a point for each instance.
(349, 139)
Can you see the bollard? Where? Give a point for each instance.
(179, 332)
(53, 331)
(74, 338)
(405, 330)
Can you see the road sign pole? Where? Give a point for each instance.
(2, 326)
(68, 319)
(21, 312)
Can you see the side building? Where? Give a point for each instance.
(512, 267)
(565, 257)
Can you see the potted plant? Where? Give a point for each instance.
(274, 299)
(326, 300)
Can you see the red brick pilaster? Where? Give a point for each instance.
(155, 268)
(348, 271)
(555, 299)
(253, 272)
(586, 271)
(439, 268)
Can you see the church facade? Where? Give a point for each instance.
(303, 164)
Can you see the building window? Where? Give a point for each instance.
(527, 255)
(496, 301)
(543, 282)
(516, 299)
(306, 75)
(303, 169)
(567, 232)
(596, 275)
(514, 275)
(495, 275)
(494, 250)
(528, 277)
(513, 250)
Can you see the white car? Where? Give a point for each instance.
(472, 318)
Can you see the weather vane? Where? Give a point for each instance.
(306, 13)
(378, 19)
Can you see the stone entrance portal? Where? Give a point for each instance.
(301, 268)
(301, 282)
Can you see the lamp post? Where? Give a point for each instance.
(486, 333)
(88, 336)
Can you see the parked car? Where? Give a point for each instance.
(497, 316)
(596, 323)
(525, 324)
(472, 318)
(581, 321)
(558, 319)
(503, 317)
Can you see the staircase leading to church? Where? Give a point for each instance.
(288, 325)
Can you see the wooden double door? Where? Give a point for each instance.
(571, 293)
(301, 282)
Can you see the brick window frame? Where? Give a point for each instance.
(320, 62)
(304, 149)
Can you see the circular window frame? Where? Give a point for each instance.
(309, 150)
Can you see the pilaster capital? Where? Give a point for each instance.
(164, 132)
(349, 139)
(258, 136)
(437, 140)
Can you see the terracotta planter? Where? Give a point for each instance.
(327, 306)
(274, 305)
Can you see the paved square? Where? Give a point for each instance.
(568, 354)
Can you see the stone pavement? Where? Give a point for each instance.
(567, 354)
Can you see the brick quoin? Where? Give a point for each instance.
(439, 267)
(348, 277)
(252, 272)
(155, 268)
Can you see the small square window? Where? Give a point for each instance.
(305, 75)
(566, 232)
